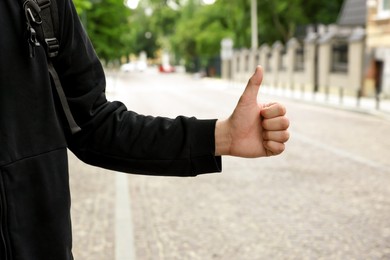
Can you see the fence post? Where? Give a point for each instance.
(235, 64)
(226, 58)
(292, 46)
(356, 61)
(310, 61)
(276, 61)
(265, 59)
(324, 61)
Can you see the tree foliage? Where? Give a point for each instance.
(82, 5)
(107, 25)
(192, 30)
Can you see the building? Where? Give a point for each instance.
(351, 57)
(378, 47)
(353, 14)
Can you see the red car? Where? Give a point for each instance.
(166, 68)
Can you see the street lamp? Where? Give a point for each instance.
(254, 24)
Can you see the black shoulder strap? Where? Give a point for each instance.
(50, 26)
(44, 14)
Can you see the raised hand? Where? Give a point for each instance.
(253, 129)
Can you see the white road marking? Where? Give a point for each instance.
(124, 234)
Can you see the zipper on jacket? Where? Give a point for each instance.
(3, 223)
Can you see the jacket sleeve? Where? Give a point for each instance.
(113, 137)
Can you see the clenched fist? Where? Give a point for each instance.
(253, 129)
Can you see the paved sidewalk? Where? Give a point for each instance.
(366, 105)
(93, 211)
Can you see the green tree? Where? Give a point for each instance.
(324, 12)
(277, 20)
(193, 31)
(82, 5)
(142, 37)
(151, 24)
(108, 28)
(198, 33)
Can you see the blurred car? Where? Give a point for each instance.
(134, 66)
(141, 65)
(166, 68)
(128, 67)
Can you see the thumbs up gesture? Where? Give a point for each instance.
(253, 129)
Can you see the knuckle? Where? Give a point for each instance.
(285, 123)
(281, 109)
(284, 136)
(275, 148)
(280, 148)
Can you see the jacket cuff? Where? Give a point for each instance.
(202, 147)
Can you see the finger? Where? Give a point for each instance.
(276, 123)
(273, 148)
(277, 136)
(253, 86)
(273, 110)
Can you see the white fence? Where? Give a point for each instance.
(331, 61)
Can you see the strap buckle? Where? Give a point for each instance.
(44, 3)
(53, 46)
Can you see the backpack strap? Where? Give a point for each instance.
(50, 26)
(44, 14)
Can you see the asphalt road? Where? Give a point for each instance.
(326, 197)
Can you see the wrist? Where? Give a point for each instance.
(222, 138)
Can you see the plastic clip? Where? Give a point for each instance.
(32, 41)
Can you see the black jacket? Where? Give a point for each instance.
(34, 192)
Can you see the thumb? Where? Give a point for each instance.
(253, 86)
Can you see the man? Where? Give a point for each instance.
(34, 137)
